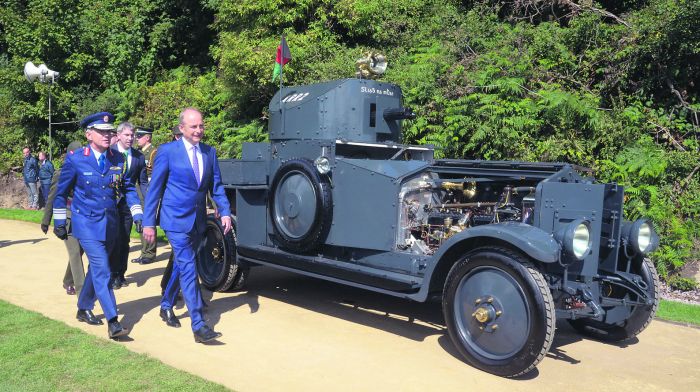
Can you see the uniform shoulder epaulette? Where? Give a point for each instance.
(86, 151)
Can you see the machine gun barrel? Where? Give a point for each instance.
(399, 114)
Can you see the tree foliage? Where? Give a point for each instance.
(611, 85)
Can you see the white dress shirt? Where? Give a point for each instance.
(200, 161)
(128, 153)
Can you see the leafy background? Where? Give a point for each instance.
(609, 84)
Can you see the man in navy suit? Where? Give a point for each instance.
(135, 171)
(94, 177)
(184, 172)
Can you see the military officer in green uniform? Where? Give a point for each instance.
(143, 139)
(75, 272)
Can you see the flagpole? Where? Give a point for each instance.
(281, 76)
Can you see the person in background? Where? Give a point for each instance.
(94, 178)
(143, 139)
(75, 272)
(46, 171)
(30, 172)
(135, 172)
(183, 172)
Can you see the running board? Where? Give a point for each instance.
(391, 283)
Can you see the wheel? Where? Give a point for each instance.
(499, 311)
(639, 318)
(216, 263)
(300, 206)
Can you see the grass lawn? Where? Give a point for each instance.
(40, 354)
(679, 312)
(36, 217)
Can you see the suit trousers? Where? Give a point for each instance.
(96, 286)
(118, 259)
(185, 248)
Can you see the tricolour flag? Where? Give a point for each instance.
(283, 57)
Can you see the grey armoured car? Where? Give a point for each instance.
(508, 247)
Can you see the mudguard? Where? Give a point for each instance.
(531, 240)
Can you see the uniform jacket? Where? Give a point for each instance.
(95, 194)
(149, 154)
(48, 208)
(183, 204)
(137, 171)
(46, 172)
(30, 169)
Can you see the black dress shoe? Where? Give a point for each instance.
(115, 330)
(115, 284)
(86, 316)
(123, 282)
(143, 260)
(169, 317)
(205, 334)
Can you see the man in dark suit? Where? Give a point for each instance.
(94, 177)
(183, 172)
(135, 172)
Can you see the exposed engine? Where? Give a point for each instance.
(435, 207)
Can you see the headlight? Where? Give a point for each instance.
(581, 242)
(641, 236)
(323, 165)
(575, 238)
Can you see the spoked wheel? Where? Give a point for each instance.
(216, 263)
(639, 318)
(499, 311)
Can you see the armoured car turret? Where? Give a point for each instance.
(508, 247)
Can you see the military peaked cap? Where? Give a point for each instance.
(102, 121)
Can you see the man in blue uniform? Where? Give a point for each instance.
(183, 172)
(94, 176)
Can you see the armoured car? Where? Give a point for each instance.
(508, 247)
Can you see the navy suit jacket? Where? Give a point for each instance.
(182, 202)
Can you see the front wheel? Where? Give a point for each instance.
(499, 311)
(216, 265)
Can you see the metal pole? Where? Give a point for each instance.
(50, 144)
(281, 76)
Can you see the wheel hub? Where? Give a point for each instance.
(487, 310)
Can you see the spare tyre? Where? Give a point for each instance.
(301, 207)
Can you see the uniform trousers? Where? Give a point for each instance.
(185, 246)
(96, 286)
(75, 272)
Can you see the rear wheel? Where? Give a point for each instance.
(639, 319)
(216, 264)
(499, 311)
